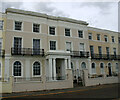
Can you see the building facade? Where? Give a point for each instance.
(39, 47)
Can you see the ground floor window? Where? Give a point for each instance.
(102, 68)
(36, 69)
(0, 70)
(93, 68)
(117, 68)
(83, 65)
(17, 69)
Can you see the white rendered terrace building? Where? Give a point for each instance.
(42, 47)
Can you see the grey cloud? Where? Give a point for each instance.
(104, 7)
(5, 5)
(45, 7)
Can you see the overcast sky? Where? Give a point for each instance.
(98, 14)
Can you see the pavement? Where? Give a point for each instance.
(108, 91)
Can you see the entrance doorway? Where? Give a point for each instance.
(60, 69)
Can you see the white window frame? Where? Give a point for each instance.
(93, 71)
(105, 36)
(66, 45)
(83, 45)
(70, 32)
(113, 39)
(21, 68)
(99, 37)
(56, 45)
(116, 67)
(21, 26)
(49, 30)
(82, 34)
(39, 28)
(40, 69)
(102, 69)
(90, 34)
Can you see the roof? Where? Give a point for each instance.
(18, 11)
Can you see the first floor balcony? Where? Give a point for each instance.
(81, 54)
(27, 51)
(2, 53)
(105, 56)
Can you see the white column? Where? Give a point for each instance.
(69, 63)
(50, 68)
(54, 68)
(66, 63)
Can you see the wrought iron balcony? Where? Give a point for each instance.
(27, 51)
(105, 56)
(81, 54)
(2, 53)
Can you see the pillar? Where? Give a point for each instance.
(50, 68)
(54, 68)
(69, 64)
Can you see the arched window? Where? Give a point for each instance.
(109, 64)
(17, 71)
(93, 68)
(116, 67)
(71, 65)
(0, 70)
(102, 68)
(83, 65)
(36, 69)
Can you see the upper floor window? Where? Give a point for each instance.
(18, 25)
(52, 45)
(113, 39)
(52, 30)
(106, 38)
(36, 28)
(98, 36)
(90, 36)
(91, 50)
(67, 32)
(80, 33)
(1, 24)
(68, 46)
(82, 47)
(119, 39)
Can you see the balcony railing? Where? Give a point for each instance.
(105, 56)
(2, 53)
(81, 54)
(27, 51)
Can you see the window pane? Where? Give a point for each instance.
(68, 46)
(36, 28)
(90, 36)
(1, 24)
(36, 68)
(17, 69)
(80, 34)
(52, 45)
(18, 25)
(67, 32)
(52, 30)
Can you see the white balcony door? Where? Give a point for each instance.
(36, 46)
